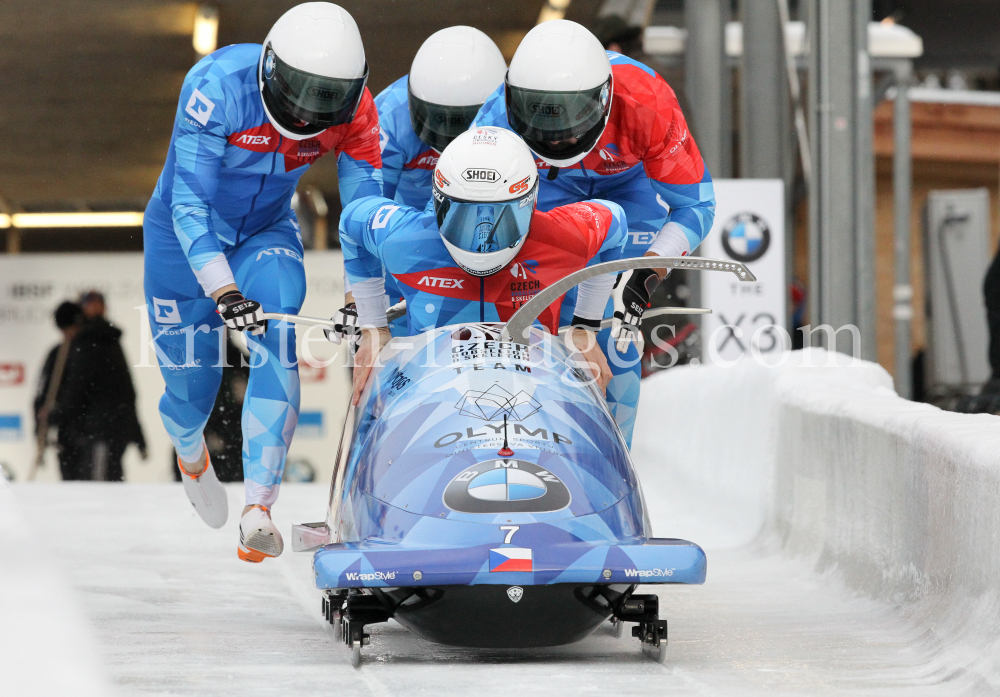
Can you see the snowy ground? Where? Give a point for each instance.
(176, 613)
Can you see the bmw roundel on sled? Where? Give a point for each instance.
(484, 497)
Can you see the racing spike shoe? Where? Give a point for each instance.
(259, 538)
(206, 493)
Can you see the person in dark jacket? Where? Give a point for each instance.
(69, 318)
(96, 402)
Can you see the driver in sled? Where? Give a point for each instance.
(481, 253)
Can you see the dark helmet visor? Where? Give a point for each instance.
(558, 125)
(436, 124)
(294, 96)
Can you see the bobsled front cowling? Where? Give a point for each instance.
(429, 500)
(436, 411)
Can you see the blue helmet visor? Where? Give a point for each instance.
(483, 227)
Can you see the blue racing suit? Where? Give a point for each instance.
(646, 161)
(407, 162)
(221, 214)
(380, 237)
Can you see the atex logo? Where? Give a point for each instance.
(481, 175)
(165, 311)
(254, 140)
(426, 160)
(199, 107)
(435, 282)
(278, 251)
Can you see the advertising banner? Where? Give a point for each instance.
(749, 227)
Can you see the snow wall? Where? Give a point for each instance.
(901, 500)
(47, 647)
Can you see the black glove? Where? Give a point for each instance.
(635, 297)
(346, 326)
(241, 314)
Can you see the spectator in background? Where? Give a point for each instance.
(69, 319)
(92, 304)
(96, 402)
(991, 291)
(988, 399)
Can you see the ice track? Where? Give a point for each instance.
(176, 613)
(851, 540)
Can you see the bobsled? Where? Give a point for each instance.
(484, 497)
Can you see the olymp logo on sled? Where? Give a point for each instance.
(166, 312)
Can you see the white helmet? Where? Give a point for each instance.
(453, 73)
(558, 91)
(484, 197)
(312, 70)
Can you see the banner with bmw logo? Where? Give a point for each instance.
(749, 227)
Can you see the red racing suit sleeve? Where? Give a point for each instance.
(671, 159)
(359, 158)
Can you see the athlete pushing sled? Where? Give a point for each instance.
(222, 244)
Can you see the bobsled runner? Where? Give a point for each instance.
(484, 497)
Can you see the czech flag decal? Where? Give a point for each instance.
(510, 559)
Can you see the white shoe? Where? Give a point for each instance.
(259, 538)
(206, 494)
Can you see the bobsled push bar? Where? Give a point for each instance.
(516, 328)
(393, 313)
(523, 318)
(399, 309)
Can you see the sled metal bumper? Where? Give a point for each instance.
(374, 565)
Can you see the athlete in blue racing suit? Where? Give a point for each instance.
(220, 215)
(407, 161)
(455, 66)
(645, 160)
(378, 237)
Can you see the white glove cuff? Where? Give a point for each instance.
(671, 241)
(369, 297)
(214, 274)
(592, 296)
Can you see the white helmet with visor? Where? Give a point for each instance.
(558, 91)
(312, 70)
(485, 185)
(453, 73)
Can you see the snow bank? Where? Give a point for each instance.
(901, 500)
(46, 646)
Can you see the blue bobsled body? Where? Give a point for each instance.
(430, 499)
